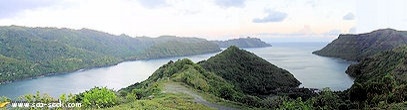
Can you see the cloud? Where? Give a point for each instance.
(230, 3)
(272, 16)
(349, 16)
(152, 4)
(10, 8)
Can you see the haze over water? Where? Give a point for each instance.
(313, 71)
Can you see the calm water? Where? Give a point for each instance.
(312, 70)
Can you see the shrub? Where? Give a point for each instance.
(99, 98)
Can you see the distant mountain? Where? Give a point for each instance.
(236, 75)
(355, 47)
(248, 72)
(243, 43)
(27, 52)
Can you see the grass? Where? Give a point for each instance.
(165, 101)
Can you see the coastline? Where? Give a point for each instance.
(101, 66)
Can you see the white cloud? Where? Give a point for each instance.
(153, 3)
(349, 16)
(272, 16)
(230, 3)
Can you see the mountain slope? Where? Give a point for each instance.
(171, 46)
(250, 73)
(242, 43)
(355, 47)
(186, 73)
(27, 52)
(392, 62)
(380, 80)
(249, 77)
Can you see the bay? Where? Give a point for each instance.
(312, 70)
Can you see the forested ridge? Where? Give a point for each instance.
(26, 52)
(381, 80)
(356, 47)
(243, 43)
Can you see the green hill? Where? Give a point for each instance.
(181, 72)
(256, 77)
(27, 52)
(250, 73)
(355, 47)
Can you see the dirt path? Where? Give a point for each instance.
(176, 88)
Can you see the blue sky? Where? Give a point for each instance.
(319, 20)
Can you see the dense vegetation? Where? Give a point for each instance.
(27, 52)
(380, 79)
(242, 43)
(177, 48)
(356, 47)
(250, 73)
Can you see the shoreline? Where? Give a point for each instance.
(103, 66)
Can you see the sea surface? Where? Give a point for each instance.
(311, 70)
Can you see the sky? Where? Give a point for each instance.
(281, 20)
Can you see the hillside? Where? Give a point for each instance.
(390, 62)
(26, 52)
(183, 74)
(218, 90)
(355, 47)
(380, 80)
(169, 46)
(250, 73)
(242, 43)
